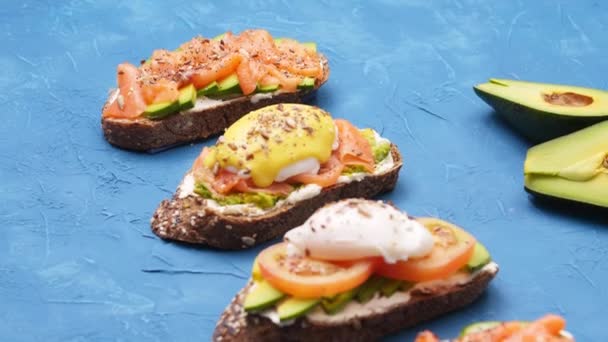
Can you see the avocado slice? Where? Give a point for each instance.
(261, 296)
(573, 167)
(187, 97)
(480, 258)
(338, 302)
(478, 327)
(391, 286)
(161, 110)
(227, 87)
(307, 83)
(292, 308)
(267, 88)
(366, 291)
(542, 111)
(210, 89)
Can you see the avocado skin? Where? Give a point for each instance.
(536, 125)
(566, 204)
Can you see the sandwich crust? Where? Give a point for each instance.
(143, 134)
(191, 220)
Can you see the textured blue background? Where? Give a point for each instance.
(77, 258)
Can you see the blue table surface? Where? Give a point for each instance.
(77, 258)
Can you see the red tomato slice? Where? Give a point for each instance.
(303, 277)
(453, 249)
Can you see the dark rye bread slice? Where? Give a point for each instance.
(143, 134)
(191, 220)
(237, 325)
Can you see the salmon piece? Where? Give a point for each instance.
(160, 91)
(281, 189)
(547, 329)
(287, 81)
(354, 149)
(426, 336)
(328, 174)
(247, 79)
(129, 103)
(218, 70)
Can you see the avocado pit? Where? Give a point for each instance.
(568, 99)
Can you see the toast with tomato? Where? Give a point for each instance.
(205, 85)
(549, 328)
(270, 171)
(357, 270)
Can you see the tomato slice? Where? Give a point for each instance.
(453, 249)
(303, 277)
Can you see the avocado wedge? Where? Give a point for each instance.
(573, 167)
(541, 111)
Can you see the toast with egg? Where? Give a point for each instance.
(278, 303)
(173, 98)
(192, 217)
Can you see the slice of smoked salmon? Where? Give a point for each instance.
(281, 189)
(129, 103)
(247, 79)
(216, 71)
(328, 174)
(426, 336)
(160, 91)
(354, 149)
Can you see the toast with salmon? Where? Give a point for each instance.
(549, 328)
(270, 171)
(329, 284)
(205, 85)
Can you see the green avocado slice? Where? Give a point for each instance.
(227, 87)
(262, 296)
(187, 97)
(336, 303)
(267, 88)
(478, 327)
(307, 83)
(480, 258)
(542, 111)
(573, 167)
(366, 291)
(210, 89)
(292, 308)
(161, 110)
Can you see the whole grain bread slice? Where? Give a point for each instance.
(237, 325)
(143, 134)
(191, 220)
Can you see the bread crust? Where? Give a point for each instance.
(143, 134)
(190, 220)
(236, 325)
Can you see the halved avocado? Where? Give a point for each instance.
(542, 111)
(161, 110)
(187, 97)
(573, 167)
(262, 296)
(292, 308)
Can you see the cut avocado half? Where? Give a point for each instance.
(292, 308)
(262, 296)
(187, 97)
(161, 110)
(542, 111)
(480, 258)
(573, 167)
(478, 327)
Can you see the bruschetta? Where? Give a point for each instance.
(357, 270)
(205, 85)
(269, 171)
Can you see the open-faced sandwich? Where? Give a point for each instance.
(549, 328)
(357, 270)
(270, 171)
(205, 85)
